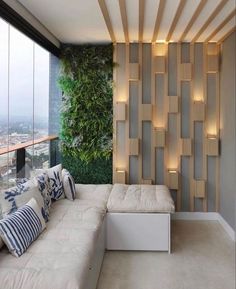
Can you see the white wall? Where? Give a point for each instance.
(228, 131)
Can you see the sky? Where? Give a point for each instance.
(27, 65)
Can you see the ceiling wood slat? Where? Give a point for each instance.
(141, 20)
(160, 11)
(193, 19)
(210, 19)
(227, 34)
(176, 19)
(227, 19)
(107, 19)
(124, 20)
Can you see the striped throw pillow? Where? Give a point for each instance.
(68, 185)
(21, 228)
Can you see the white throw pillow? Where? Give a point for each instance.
(68, 185)
(56, 190)
(22, 227)
(16, 197)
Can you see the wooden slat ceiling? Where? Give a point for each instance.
(79, 21)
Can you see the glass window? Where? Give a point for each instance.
(24, 95)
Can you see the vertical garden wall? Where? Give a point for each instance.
(86, 114)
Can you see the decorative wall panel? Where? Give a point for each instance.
(169, 133)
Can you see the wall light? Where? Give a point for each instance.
(212, 145)
(120, 176)
(173, 179)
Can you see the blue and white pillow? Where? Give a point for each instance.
(43, 186)
(56, 190)
(68, 185)
(21, 228)
(42, 181)
(16, 197)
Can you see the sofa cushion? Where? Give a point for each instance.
(16, 197)
(68, 185)
(22, 227)
(94, 193)
(63, 252)
(140, 198)
(56, 190)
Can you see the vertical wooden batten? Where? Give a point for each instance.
(191, 160)
(127, 66)
(179, 191)
(114, 161)
(140, 129)
(204, 162)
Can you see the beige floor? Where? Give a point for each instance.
(202, 258)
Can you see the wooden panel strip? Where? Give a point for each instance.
(127, 50)
(201, 5)
(179, 195)
(166, 118)
(204, 157)
(124, 20)
(227, 34)
(140, 127)
(227, 19)
(176, 19)
(107, 19)
(114, 155)
(141, 19)
(210, 19)
(160, 11)
(15, 147)
(191, 160)
(153, 100)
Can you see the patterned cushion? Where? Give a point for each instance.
(21, 228)
(42, 181)
(56, 190)
(43, 185)
(68, 185)
(14, 198)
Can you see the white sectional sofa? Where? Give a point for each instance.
(69, 253)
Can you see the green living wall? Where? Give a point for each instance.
(86, 115)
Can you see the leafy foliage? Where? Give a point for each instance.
(98, 171)
(86, 113)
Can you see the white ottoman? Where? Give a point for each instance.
(138, 218)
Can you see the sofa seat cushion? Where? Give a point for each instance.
(61, 256)
(95, 193)
(140, 198)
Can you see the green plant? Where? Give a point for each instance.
(86, 113)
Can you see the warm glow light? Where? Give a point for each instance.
(211, 130)
(120, 170)
(198, 97)
(209, 136)
(161, 41)
(172, 171)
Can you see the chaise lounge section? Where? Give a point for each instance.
(69, 253)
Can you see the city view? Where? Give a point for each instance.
(24, 99)
(21, 131)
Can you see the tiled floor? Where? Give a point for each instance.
(203, 257)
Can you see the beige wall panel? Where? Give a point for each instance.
(212, 63)
(133, 146)
(186, 71)
(133, 71)
(159, 64)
